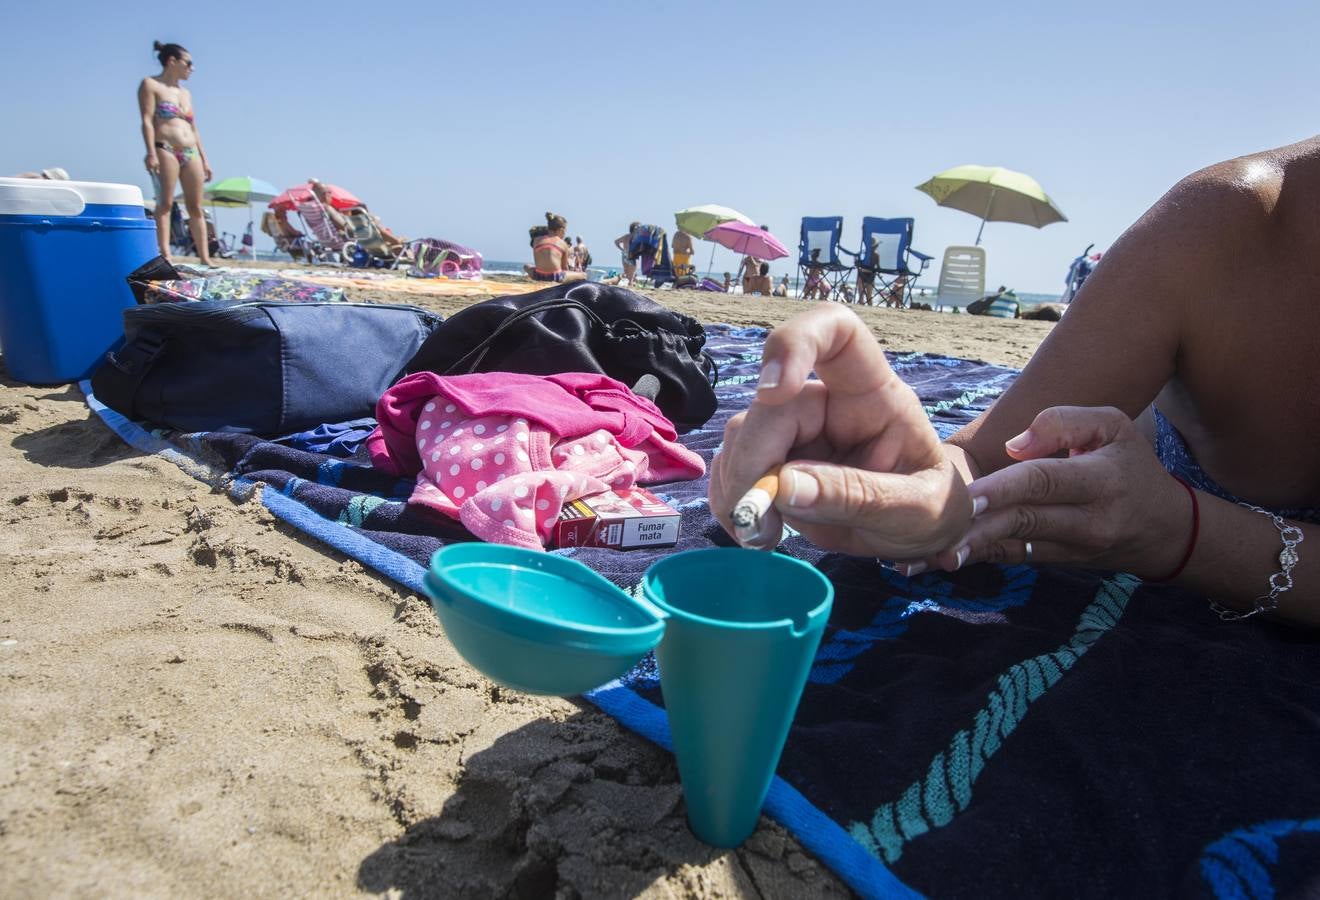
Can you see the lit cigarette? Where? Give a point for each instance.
(756, 502)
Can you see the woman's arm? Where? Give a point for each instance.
(146, 108)
(1237, 554)
(1119, 342)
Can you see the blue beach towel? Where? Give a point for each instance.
(999, 732)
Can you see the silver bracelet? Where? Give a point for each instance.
(1281, 580)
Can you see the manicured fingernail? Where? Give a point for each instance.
(803, 488)
(770, 373)
(978, 506)
(1019, 443)
(961, 555)
(915, 569)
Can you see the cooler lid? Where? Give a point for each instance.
(39, 197)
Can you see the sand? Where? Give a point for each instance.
(199, 701)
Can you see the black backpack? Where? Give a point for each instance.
(582, 327)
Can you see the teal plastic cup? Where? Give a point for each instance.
(741, 630)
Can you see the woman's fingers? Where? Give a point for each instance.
(1059, 428)
(998, 537)
(829, 340)
(890, 515)
(1038, 482)
(759, 439)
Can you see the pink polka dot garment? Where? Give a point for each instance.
(503, 452)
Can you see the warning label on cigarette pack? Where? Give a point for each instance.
(621, 519)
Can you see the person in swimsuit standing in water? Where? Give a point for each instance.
(174, 146)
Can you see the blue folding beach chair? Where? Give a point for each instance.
(820, 265)
(885, 261)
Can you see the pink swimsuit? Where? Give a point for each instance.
(503, 452)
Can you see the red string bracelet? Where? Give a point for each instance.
(1196, 530)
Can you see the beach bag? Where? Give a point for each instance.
(263, 367)
(582, 327)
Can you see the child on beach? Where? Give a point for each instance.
(816, 287)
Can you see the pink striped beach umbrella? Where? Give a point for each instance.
(747, 240)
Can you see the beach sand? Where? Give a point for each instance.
(199, 701)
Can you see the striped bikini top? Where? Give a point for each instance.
(167, 110)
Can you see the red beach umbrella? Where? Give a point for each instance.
(339, 198)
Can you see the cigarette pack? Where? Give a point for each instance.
(621, 519)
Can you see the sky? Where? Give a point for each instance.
(470, 121)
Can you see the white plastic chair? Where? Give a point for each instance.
(962, 276)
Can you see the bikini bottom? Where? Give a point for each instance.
(184, 155)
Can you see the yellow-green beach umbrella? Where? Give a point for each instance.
(697, 220)
(994, 194)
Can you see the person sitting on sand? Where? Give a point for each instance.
(781, 289)
(682, 250)
(1147, 434)
(816, 287)
(551, 252)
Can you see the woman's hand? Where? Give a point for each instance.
(206, 169)
(153, 164)
(868, 475)
(1109, 505)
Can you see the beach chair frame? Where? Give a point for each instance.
(894, 271)
(823, 233)
(367, 235)
(325, 243)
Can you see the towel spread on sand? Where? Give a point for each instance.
(502, 452)
(997, 732)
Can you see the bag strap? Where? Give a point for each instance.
(133, 361)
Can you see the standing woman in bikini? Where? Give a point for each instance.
(174, 146)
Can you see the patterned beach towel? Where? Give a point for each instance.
(999, 732)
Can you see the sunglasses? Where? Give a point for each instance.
(187, 62)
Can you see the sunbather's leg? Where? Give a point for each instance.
(193, 179)
(167, 178)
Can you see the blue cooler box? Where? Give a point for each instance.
(65, 250)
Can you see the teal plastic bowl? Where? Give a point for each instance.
(535, 622)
